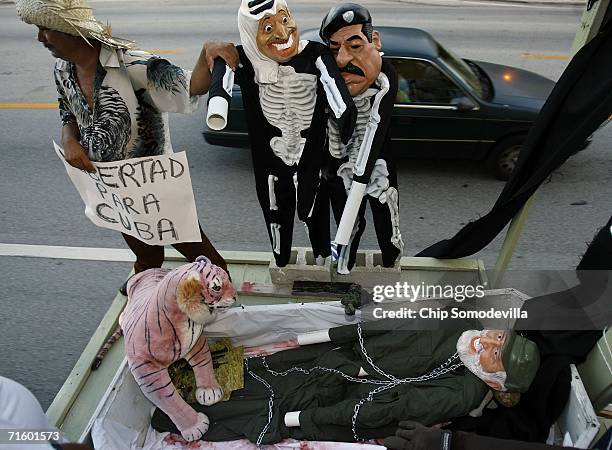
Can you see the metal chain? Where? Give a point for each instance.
(393, 378)
(367, 357)
(270, 402)
(392, 384)
(391, 381)
(322, 369)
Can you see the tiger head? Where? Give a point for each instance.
(206, 290)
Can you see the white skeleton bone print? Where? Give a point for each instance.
(379, 179)
(288, 104)
(336, 147)
(274, 227)
(391, 198)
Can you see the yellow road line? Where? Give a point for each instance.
(28, 105)
(539, 56)
(178, 50)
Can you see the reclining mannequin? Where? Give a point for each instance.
(365, 380)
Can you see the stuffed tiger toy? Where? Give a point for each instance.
(162, 323)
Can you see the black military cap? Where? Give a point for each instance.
(343, 15)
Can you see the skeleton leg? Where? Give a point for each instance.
(271, 180)
(275, 231)
(281, 215)
(393, 204)
(274, 227)
(318, 224)
(385, 213)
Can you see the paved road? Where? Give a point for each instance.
(49, 307)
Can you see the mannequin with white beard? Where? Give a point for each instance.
(359, 381)
(286, 86)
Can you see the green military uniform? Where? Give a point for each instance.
(327, 399)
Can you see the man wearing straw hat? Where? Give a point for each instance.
(113, 100)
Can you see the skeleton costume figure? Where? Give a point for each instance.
(286, 86)
(363, 168)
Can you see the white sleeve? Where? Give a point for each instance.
(20, 410)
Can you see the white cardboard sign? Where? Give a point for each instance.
(150, 198)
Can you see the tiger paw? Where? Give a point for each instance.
(195, 432)
(209, 396)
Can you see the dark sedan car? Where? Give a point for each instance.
(446, 107)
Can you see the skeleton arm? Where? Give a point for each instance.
(338, 97)
(220, 95)
(371, 146)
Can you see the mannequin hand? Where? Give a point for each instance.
(413, 436)
(354, 299)
(224, 50)
(76, 156)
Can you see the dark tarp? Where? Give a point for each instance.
(579, 103)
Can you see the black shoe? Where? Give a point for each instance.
(123, 288)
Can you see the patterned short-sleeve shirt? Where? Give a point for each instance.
(133, 91)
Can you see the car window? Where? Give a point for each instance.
(421, 82)
(461, 69)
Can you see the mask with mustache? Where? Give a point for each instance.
(353, 69)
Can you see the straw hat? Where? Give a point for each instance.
(73, 17)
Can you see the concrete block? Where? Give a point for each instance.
(368, 271)
(302, 266)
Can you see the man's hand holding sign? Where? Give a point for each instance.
(149, 198)
(114, 102)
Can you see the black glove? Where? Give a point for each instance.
(413, 436)
(355, 298)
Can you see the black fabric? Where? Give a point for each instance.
(597, 256)
(470, 441)
(419, 437)
(579, 103)
(586, 306)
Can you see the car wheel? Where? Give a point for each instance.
(502, 159)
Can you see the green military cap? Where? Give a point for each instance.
(521, 359)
